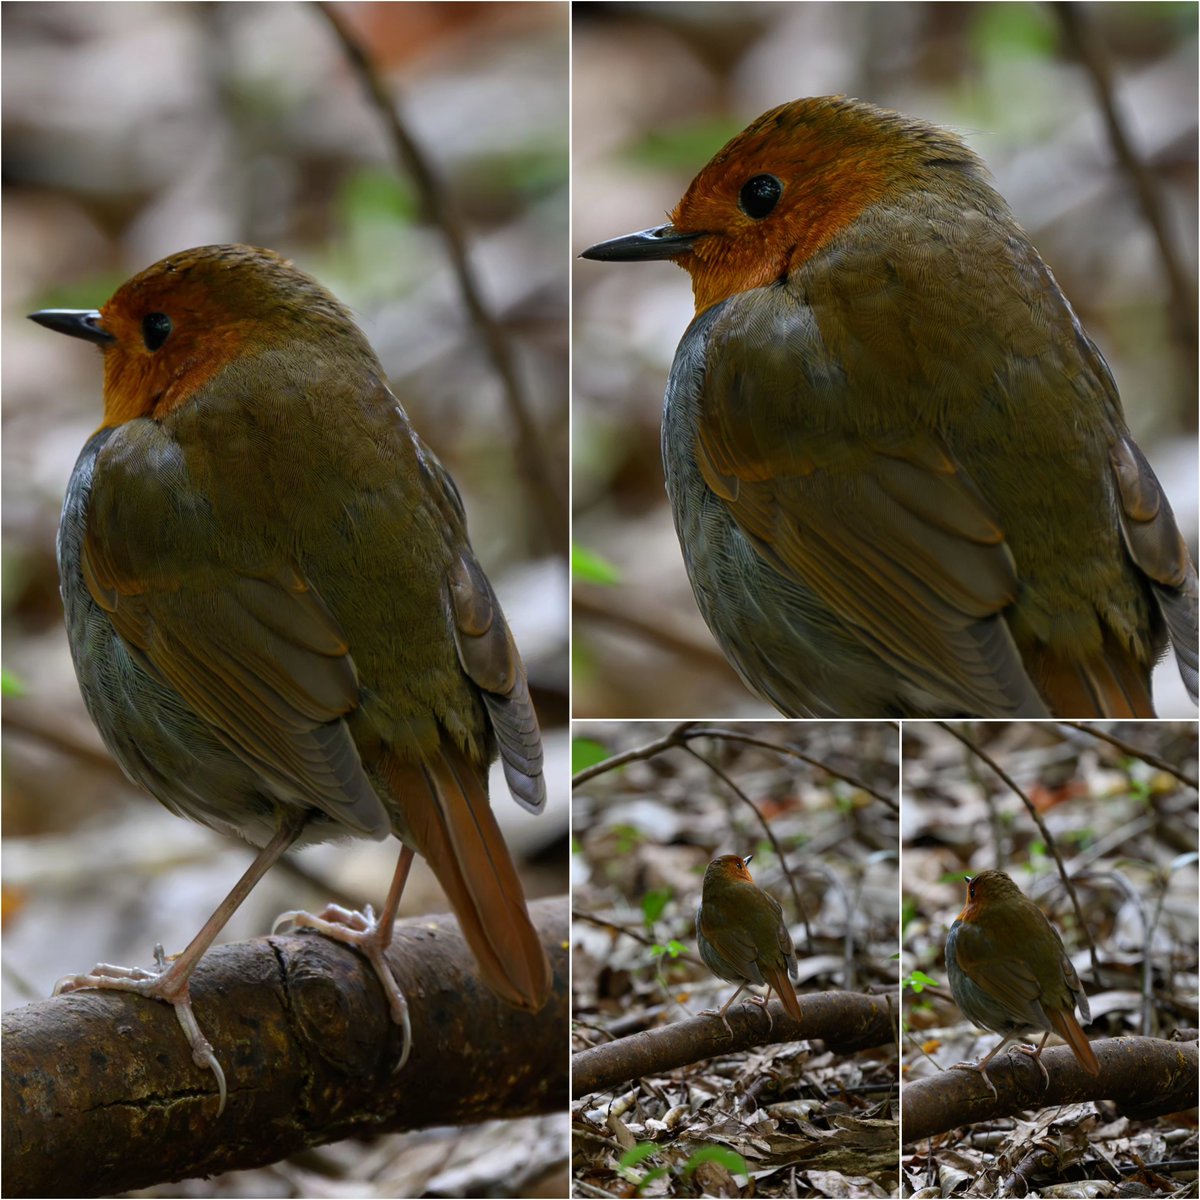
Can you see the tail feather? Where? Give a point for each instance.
(777, 977)
(452, 826)
(1069, 1030)
(1111, 684)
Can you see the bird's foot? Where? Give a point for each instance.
(979, 1069)
(762, 1002)
(155, 985)
(718, 1012)
(362, 931)
(1035, 1052)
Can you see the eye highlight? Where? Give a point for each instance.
(156, 328)
(759, 195)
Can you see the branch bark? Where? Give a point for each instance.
(100, 1094)
(844, 1021)
(1146, 1077)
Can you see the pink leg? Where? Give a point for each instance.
(981, 1066)
(1036, 1055)
(170, 984)
(371, 937)
(720, 1012)
(763, 1002)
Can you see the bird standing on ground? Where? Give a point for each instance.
(743, 937)
(1009, 972)
(277, 621)
(899, 469)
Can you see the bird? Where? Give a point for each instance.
(1010, 974)
(275, 615)
(743, 938)
(898, 466)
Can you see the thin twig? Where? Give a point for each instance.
(23, 719)
(766, 828)
(1036, 817)
(791, 752)
(624, 930)
(1094, 57)
(546, 502)
(1133, 751)
(637, 754)
(588, 602)
(684, 732)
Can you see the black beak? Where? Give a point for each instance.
(75, 322)
(661, 242)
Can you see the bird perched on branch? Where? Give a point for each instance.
(1009, 973)
(743, 938)
(277, 620)
(899, 469)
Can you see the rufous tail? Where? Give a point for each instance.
(1110, 684)
(782, 985)
(1068, 1029)
(450, 819)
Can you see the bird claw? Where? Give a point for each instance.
(106, 975)
(717, 1012)
(1035, 1053)
(763, 1003)
(361, 931)
(150, 985)
(333, 914)
(202, 1051)
(979, 1069)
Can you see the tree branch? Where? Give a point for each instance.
(100, 1094)
(844, 1021)
(1146, 1076)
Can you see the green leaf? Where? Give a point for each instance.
(1012, 31)
(919, 981)
(586, 752)
(731, 1160)
(653, 903)
(672, 949)
(681, 147)
(628, 836)
(373, 195)
(592, 568)
(11, 684)
(636, 1154)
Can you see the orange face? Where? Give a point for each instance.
(179, 322)
(793, 180)
(988, 887)
(731, 867)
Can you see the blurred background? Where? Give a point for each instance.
(135, 130)
(657, 89)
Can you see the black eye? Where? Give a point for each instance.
(156, 328)
(760, 195)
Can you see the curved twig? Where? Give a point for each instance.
(1151, 759)
(1094, 57)
(637, 754)
(731, 735)
(1036, 817)
(547, 504)
(766, 828)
